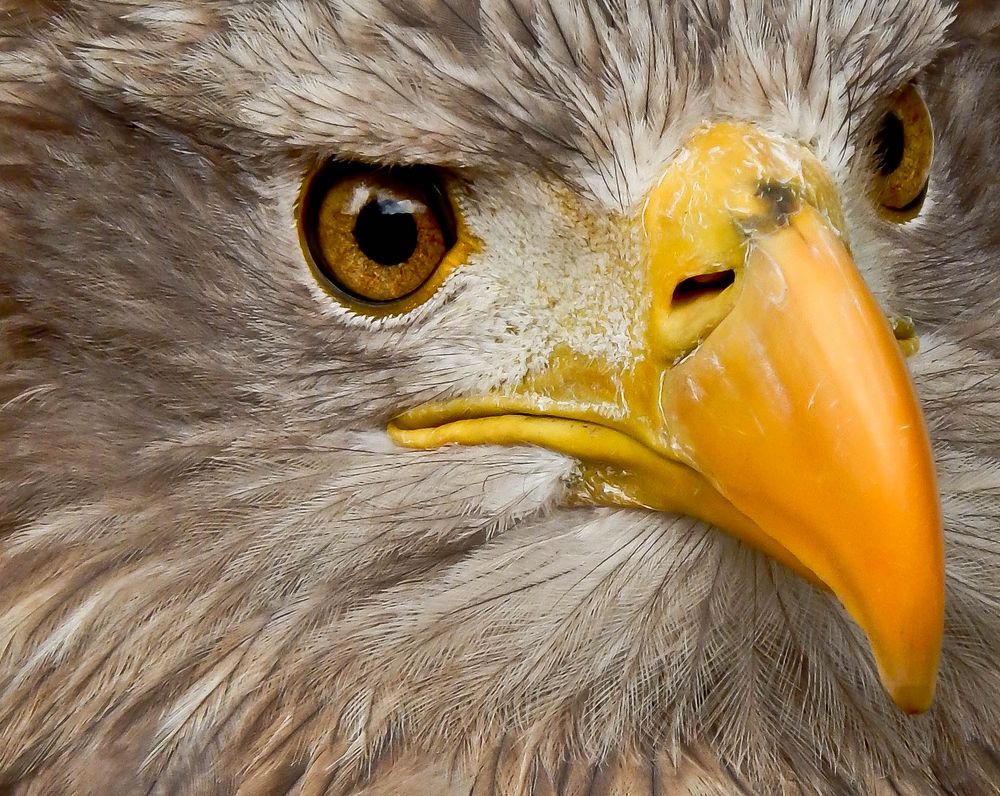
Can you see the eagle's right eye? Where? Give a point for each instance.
(376, 236)
(903, 153)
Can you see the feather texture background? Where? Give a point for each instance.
(218, 576)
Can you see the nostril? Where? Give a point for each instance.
(699, 304)
(703, 285)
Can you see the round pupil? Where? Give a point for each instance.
(385, 232)
(890, 145)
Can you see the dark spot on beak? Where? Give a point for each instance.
(782, 201)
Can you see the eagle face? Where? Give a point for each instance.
(499, 397)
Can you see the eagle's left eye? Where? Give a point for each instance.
(376, 236)
(903, 153)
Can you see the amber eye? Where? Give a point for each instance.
(376, 235)
(903, 152)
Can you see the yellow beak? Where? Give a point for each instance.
(770, 398)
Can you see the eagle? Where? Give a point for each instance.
(499, 397)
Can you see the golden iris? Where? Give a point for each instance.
(904, 151)
(376, 236)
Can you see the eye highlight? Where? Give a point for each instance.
(377, 237)
(903, 150)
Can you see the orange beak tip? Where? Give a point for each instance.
(913, 699)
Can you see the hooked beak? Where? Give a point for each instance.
(771, 398)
